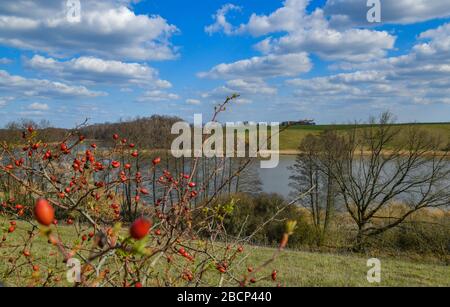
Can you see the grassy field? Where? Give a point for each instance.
(295, 268)
(291, 137)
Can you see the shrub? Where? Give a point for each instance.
(97, 192)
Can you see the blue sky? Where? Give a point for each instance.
(289, 60)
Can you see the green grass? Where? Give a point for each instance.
(314, 269)
(291, 137)
(294, 268)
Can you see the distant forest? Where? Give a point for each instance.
(146, 132)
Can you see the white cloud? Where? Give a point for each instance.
(36, 106)
(31, 113)
(241, 100)
(251, 86)
(192, 101)
(287, 18)
(157, 95)
(350, 45)
(438, 45)
(264, 66)
(252, 89)
(354, 12)
(4, 61)
(97, 70)
(221, 23)
(419, 77)
(23, 87)
(312, 33)
(5, 100)
(107, 29)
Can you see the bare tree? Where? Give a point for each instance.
(313, 172)
(384, 163)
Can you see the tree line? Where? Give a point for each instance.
(147, 132)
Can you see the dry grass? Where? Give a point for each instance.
(295, 268)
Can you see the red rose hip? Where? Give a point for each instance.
(44, 212)
(140, 228)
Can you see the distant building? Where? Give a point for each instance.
(304, 122)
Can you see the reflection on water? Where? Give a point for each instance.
(277, 180)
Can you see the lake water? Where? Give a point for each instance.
(276, 180)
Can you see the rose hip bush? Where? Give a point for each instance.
(132, 225)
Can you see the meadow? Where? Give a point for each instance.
(295, 268)
(292, 136)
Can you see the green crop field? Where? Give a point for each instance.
(292, 136)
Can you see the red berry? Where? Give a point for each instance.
(274, 275)
(144, 191)
(156, 161)
(115, 137)
(140, 228)
(44, 212)
(138, 285)
(115, 164)
(192, 184)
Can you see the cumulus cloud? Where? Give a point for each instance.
(108, 29)
(4, 61)
(157, 95)
(264, 66)
(192, 101)
(5, 100)
(97, 70)
(36, 106)
(285, 19)
(355, 45)
(220, 20)
(419, 77)
(251, 89)
(24, 87)
(299, 31)
(354, 12)
(251, 86)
